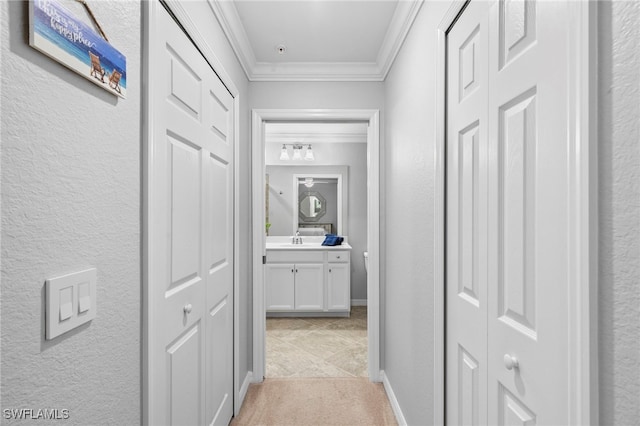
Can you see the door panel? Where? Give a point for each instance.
(338, 286)
(191, 219)
(469, 389)
(218, 137)
(516, 204)
(185, 380)
(512, 411)
(309, 286)
(184, 195)
(279, 286)
(466, 149)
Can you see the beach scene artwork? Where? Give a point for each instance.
(54, 31)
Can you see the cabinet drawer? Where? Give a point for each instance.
(338, 256)
(294, 256)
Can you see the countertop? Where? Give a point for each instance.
(309, 243)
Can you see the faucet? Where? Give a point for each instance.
(297, 239)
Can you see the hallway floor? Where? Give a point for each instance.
(318, 347)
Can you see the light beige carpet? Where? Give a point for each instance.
(315, 401)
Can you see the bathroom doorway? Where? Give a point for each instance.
(352, 330)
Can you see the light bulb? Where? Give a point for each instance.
(284, 155)
(309, 155)
(296, 152)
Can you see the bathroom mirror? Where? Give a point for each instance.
(312, 206)
(318, 204)
(321, 215)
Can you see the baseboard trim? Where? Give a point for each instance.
(392, 400)
(358, 302)
(245, 386)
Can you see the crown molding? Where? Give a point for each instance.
(403, 17)
(229, 19)
(316, 71)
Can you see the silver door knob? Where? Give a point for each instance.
(511, 362)
(188, 308)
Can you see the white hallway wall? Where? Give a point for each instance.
(619, 174)
(410, 127)
(409, 160)
(70, 200)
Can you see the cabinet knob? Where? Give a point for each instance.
(187, 308)
(511, 362)
(337, 257)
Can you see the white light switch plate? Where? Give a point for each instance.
(71, 301)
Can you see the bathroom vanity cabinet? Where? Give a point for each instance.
(308, 282)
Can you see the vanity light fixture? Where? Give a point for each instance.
(308, 182)
(297, 153)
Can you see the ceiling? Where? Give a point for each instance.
(316, 40)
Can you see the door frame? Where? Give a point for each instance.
(259, 117)
(583, 291)
(150, 12)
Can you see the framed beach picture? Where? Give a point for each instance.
(61, 36)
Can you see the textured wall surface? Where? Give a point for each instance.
(70, 200)
(619, 180)
(410, 175)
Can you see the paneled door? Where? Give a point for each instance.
(190, 202)
(508, 206)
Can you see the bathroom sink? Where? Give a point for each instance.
(291, 245)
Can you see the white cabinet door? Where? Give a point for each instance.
(279, 289)
(338, 287)
(309, 286)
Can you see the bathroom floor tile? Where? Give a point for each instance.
(318, 347)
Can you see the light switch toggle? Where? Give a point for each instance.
(66, 303)
(84, 298)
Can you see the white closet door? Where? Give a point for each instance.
(507, 215)
(191, 225)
